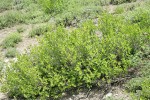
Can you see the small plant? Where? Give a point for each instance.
(119, 10)
(11, 52)
(11, 40)
(20, 29)
(11, 18)
(39, 30)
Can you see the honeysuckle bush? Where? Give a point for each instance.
(68, 60)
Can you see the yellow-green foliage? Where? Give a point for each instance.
(67, 60)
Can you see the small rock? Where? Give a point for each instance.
(3, 96)
(6, 60)
(107, 96)
(15, 59)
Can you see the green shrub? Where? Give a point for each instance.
(11, 40)
(110, 25)
(64, 61)
(140, 16)
(11, 52)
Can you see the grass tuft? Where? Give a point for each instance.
(11, 40)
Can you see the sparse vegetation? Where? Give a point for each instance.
(11, 40)
(11, 18)
(40, 30)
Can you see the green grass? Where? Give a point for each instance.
(11, 40)
(5, 5)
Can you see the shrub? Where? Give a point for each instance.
(140, 16)
(109, 25)
(11, 52)
(65, 61)
(11, 40)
